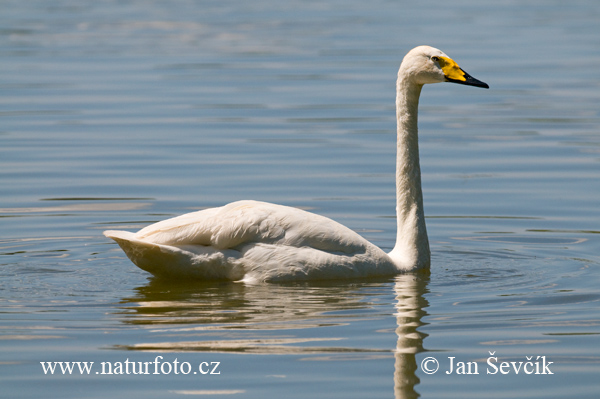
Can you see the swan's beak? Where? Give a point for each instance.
(455, 74)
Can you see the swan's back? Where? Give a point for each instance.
(253, 241)
(243, 222)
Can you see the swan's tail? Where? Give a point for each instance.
(199, 262)
(146, 255)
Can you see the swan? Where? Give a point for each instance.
(255, 242)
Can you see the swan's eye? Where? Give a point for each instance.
(434, 58)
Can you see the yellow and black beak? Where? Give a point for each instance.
(455, 74)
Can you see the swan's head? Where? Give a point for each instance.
(425, 64)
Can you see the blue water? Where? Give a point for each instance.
(118, 114)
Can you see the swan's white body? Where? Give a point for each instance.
(257, 241)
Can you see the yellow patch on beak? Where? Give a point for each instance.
(451, 69)
(455, 74)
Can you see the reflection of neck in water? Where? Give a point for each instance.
(410, 305)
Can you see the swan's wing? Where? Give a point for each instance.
(243, 222)
(253, 241)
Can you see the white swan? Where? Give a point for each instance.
(257, 241)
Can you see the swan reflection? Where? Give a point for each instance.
(235, 318)
(410, 306)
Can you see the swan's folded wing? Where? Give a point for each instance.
(254, 241)
(189, 229)
(244, 222)
(221, 228)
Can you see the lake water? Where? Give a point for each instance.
(117, 114)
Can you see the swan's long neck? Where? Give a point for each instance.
(412, 246)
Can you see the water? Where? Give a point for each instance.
(118, 114)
